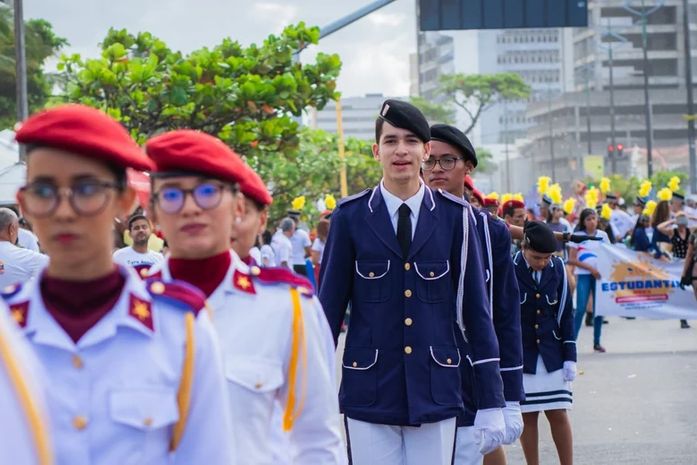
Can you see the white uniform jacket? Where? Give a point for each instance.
(254, 321)
(113, 397)
(24, 435)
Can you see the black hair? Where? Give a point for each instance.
(135, 218)
(585, 213)
(379, 123)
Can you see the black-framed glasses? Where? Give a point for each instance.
(446, 163)
(206, 195)
(87, 198)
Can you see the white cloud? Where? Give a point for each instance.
(388, 20)
(280, 14)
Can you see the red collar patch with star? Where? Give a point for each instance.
(19, 313)
(141, 310)
(243, 282)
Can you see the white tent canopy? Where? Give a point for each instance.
(9, 151)
(11, 179)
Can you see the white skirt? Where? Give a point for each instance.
(545, 391)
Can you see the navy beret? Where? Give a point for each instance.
(453, 136)
(404, 115)
(539, 237)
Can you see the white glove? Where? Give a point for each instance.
(514, 422)
(569, 370)
(489, 429)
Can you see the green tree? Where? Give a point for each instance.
(485, 162)
(41, 43)
(434, 112)
(247, 96)
(660, 179)
(476, 93)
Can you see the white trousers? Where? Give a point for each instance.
(466, 449)
(375, 444)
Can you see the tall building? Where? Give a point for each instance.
(538, 57)
(435, 57)
(358, 116)
(578, 123)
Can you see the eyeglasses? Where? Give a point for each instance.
(206, 196)
(446, 163)
(87, 198)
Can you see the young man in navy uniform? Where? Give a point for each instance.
(452, 159)
(409, 261)
(549, 350)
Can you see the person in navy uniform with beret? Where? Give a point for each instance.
(549, 350)
(408, 259)
(452, 158)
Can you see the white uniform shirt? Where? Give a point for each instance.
(27, 240)
(318, 246)
(282, 248)
(392, 202)
(268, 257)
(299, 240)
(113, 395)
(255, 330)
(16, 440)
(128, 256)
(621, 223)
(18, 265)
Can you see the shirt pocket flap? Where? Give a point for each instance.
(430, 271)
(357, 358)
(255, 374)
(147, 408)
(448, 357)
(372, 269)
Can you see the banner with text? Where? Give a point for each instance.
(636, 284)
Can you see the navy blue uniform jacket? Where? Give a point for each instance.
(502, 288)
(401, 360)
(547, 316)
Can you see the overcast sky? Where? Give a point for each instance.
(375, 50)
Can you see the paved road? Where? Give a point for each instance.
(635, 404)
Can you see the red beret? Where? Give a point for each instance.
(253, 187)
(469, 183)
(512, 204)
(478, 195)
(85, 131)
(195, 152)
(489, 202)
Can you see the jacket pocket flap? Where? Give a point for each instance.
(255, 374)
(448, 357)
(356, 358)
(432, 270)
(146, 408)
(523, 297)
(372, 269)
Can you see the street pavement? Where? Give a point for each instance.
(635, 404)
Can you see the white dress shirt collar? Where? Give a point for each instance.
(392, 202)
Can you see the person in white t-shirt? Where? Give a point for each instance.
(28, 240)
(584, 257)
(138, 255)
(281, 245)
(620, 221)
(300, 241)
(17, 265)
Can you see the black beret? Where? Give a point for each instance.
(640, 201)
(678, 195)
(453, 136)
(404, 115)
(539, 237)
(611, 196)
(546, 200)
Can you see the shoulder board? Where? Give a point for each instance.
(10, 291)
(179, 293)
(285, 276)
(452, 198)
(353, 197)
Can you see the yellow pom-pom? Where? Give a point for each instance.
(543, 184)
(674, 184)
(506, 197)
(645, 188)
(554, 193)
(649, 208)
(591, 198)
(664, 194)
(605, 185)
(493, 196)
(298, 203)
(519, 197)
(569, 205)
(606, 212)
(329, 202)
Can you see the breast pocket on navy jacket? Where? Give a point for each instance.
(445, 376)
(432, 283)
(359, 376)
(372, 283)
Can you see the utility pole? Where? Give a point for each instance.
(692, 178)
(20, 69)
(609, 46)
(644, 14)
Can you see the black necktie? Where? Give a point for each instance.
(534, 275)
(404, 229)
